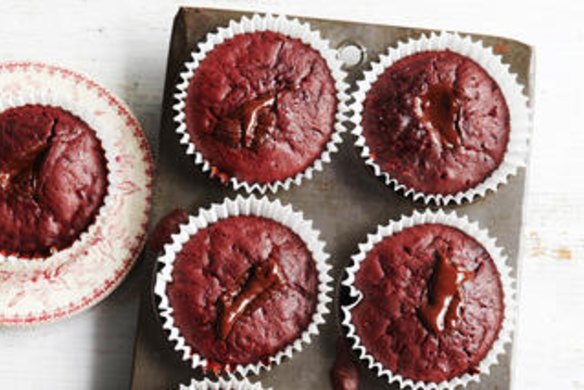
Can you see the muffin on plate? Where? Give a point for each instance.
(53, 180)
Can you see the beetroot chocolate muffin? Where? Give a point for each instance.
(242, 289)
(436, 122)
(53, 179)
(432, 303)
(261, 107)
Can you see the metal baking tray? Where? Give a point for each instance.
(346, 202)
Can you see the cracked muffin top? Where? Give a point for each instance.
(261, 107)
(436, 122)
(243, 289)
(432, 303)
(53, 179)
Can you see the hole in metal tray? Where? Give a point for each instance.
(351, 54)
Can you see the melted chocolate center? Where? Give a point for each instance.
(21, 174)
(249, 125)
(440, 110)
(255, 288)
(445, 294)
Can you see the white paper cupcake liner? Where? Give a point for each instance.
(289, 27)
(262, 207)
(222, 384)
(49, 98)
(507, 281)
(520, 117)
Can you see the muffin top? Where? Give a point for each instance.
(261, 107)
(432, 303)
(242, 290)
(53, 179)
(436, 122)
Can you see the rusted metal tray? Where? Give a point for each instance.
(346, 202)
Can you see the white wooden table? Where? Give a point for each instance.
(124, 46)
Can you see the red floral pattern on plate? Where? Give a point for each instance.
(79, 277)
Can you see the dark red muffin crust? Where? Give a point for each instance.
(398, 279)
(344, 373)
(436, 122)
(53, 179)
(261, 107)
(226, 261)
(165, 228)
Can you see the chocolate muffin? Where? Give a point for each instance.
(261, 107)
(433, 303)
(242, 289)
(53, 179)
(436, 122)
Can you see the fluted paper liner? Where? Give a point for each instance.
(507, 281)
(292, 28)
(261, 207)
(52, 99)
(520, 116)
(222, 384)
